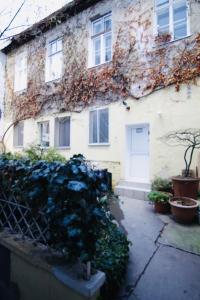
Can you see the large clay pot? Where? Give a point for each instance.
(162, 208)
(184, 209)
(186, 186)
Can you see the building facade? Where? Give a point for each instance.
(57, 62)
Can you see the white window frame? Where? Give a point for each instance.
(98, 143)
(20, 85)
(16, 129)
(91, 61)
(171, 22)
(40, 133)
(48, 74)
(56, 132)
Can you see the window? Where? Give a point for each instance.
(99, 122)
(20, 82)
(18, 136)
(54, 60)
(101, 40)
(62, 132)
(172, 18)
(44, 134)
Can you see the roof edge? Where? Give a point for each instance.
(60, 16)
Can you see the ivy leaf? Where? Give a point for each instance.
(77, 186)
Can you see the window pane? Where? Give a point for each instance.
(103, 125)
(97, 51)
(55, 65)
(163, 20)
(64, 132)
(108, 45)
(59, 45)
(180, 13)
(53, 48)
(180, 31)
(44, 134)
(19, 135)
(107, 23)
(97, 27)
(162, 2)
(93, 127)
(180, 20)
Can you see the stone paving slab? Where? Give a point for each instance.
(142, 228)
(171, 275)
(183, 237)
(158, 269)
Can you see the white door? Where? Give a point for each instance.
(138, 153)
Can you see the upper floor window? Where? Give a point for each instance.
(18, 135)
(101, 40)
(54, 59)
(44, 134)
(20, 82)
(172, 18)
(99, 126)
(62, 132)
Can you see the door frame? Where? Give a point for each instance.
(127, 149)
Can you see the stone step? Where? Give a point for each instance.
(132, 192)
(137, 185)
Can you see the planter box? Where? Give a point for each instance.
(41, 275)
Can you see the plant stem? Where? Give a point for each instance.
(186, 163)
(190, 161)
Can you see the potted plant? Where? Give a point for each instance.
(184, 209)
(162, 185)
(185, 185)
(161, 201)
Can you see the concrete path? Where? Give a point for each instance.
(164, 258)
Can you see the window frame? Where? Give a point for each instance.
(102, 36)
(49, 42)
(56, 132)
(19, 56)
(98, 143)
(40, 135)
(16, 131)
(170, 6)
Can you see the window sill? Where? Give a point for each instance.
(20, 91)
(90, 67)
(53, 80)
(174, 40)
(63, 148)
(99, 145)
(19, 147)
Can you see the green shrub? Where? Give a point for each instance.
(75, 198)
(35, 153)
(156, 196)
(160, 184)
(69, 192)
(111, 257)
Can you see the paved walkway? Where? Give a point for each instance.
(165, 256)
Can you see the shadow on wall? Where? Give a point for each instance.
(118, 214)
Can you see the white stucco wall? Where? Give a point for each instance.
(164, 111)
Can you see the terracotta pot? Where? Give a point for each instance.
(184, 209)
(186, 186)
(162, 207)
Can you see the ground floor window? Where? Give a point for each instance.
(18, 136)
(62, 132)
(44, 134)
(99, 126)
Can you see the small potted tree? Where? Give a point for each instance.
(161, 201)
(185, 185)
